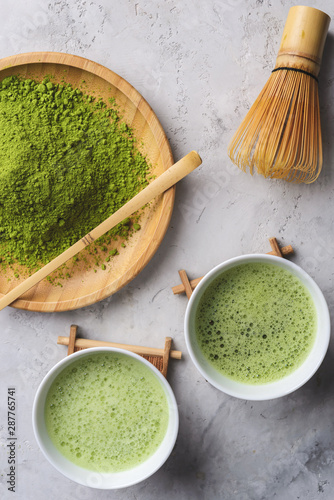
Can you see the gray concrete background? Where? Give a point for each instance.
(200, 65)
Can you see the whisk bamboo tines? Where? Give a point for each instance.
(280, 137)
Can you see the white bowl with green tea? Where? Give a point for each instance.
(257, 327)
(105, 418)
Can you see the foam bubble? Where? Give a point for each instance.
(113, 418)
(261, 313)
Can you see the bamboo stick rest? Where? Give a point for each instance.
(189, 285)
(165, 181)
(158, 357)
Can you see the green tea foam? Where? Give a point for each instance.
(256, 323)
(106, 412)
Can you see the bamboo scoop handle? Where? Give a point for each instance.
(166, 180)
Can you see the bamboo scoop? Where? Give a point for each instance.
(166, 180)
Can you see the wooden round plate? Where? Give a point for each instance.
(89, 285)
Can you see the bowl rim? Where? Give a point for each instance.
(40, 400)
(269, 390)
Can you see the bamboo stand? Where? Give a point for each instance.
(188, 286)
(158, 357)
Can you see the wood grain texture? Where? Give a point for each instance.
(165, 359)
(275, 247)
(185, 281)
(86, 286)
(71, 340)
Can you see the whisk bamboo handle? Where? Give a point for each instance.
(165, 181)
(303, 39)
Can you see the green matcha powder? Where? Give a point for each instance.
(67, 162)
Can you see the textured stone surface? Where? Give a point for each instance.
(200, 65)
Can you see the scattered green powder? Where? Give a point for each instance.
(67, 162)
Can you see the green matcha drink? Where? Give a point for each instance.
(106, 412)
(256, 323)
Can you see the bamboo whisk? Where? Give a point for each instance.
(280, 137)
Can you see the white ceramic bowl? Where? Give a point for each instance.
(280, 387)
(90, 478)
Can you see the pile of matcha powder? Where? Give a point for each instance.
(67, 162)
